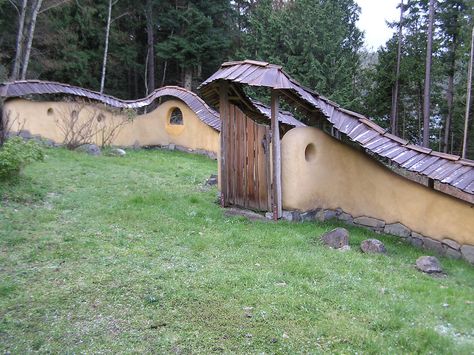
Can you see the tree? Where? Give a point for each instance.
(106, 46)
(317, 42)
(195, 36)
(468, 97)
(19, 40)
(427, 88)
(29, 39)
(394, 113)
(150, 53)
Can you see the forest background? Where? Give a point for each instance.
(128, 48)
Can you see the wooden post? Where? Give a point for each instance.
(276, 157)
(224, 115)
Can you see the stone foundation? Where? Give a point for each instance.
(445, 247)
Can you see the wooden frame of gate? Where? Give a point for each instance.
(250, 161)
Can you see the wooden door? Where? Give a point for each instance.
(246, 151)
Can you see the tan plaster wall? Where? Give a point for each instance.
(339, 176)
(152, 128)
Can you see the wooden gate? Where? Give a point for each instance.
(247, 175)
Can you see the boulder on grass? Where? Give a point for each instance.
(428, 264)
(337, 238)
(372, 246)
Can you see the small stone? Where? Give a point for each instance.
(397, 229)
(118, 152)
(467, 252)
(248, 335)
(451, 243)
(281, 284)
(273, 340)
(415, 241)
(452, 253)
(247, 308)
(269, 215)
(25, 134)
(171, 147)
(372, 246)
(370, 222)
(337, 238)
(290, 216)
(417, 235)
(435, 245)
(248, 315)
(319, 216)
(428, 264)
(90, 149)
(212, 180)
(346, 217)
(330, 214)
(285, 336)
(344, 248)
(308, 216)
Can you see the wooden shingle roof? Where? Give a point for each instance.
(449, 173)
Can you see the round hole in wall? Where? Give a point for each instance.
(310, 152)
(50, 111)
(100, 117)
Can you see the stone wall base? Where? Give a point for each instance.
(447, 247)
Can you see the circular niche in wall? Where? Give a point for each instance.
(50, 111)
(310, 152)
(176, 117)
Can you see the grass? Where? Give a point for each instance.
(133, 255)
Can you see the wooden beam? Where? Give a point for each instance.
(224, 115)
(276, 156)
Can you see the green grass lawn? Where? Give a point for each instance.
(133, 254)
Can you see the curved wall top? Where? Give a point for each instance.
(36, 87)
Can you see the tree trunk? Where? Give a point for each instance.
(150, 47)
(426, 95)
(31, 33)
(188, 78)
(165, 67)
(450, 95)
(468, 98)
(106, 48)
(394, 113)
(19, 41)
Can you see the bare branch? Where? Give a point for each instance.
(54, 5)
(120, 16)
(14, 5)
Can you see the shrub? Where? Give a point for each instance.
(15, 154)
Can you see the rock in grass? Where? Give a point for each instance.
(212, 180)
(90, 149)
(337, 238)
(372, 246)
(428, 264)
(118, 152)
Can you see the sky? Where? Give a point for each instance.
(373, 17)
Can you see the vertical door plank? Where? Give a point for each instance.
(223, 106)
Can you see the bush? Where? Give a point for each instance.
(15, 154)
